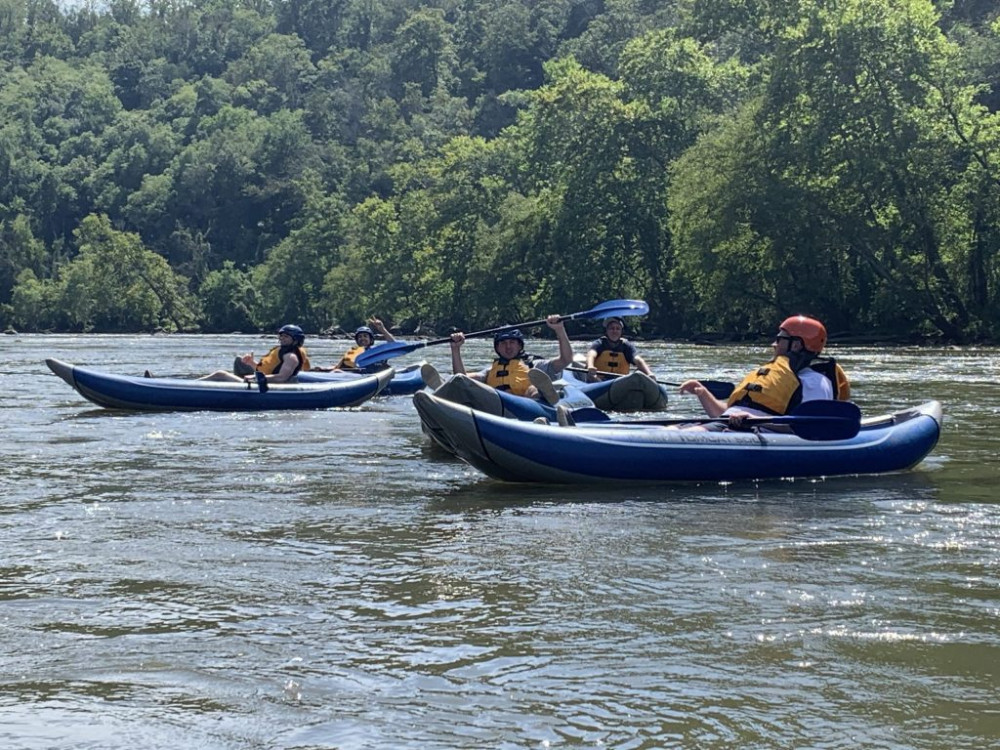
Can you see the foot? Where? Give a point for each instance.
(543, 383)
(540, 420)
(565, 416)
(432, 378)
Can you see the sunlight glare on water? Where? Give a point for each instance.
(329, 580)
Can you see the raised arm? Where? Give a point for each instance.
(380, 328)
(457, 366)
(565, 357)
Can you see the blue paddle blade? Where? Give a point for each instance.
(616, 308)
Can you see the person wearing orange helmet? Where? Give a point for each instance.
(796, 374)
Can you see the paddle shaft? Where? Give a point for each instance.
(811, 420)
(611, 308)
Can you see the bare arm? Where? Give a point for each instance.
(713, 407)
(288, 366)
(457, 365)
(565, 347)
(380, 328)
(641, 365)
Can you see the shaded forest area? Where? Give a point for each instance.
(237, 164)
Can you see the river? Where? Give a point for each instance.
(328, 580)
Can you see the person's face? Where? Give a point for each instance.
(614, 330)
(508, 348)
(284, 339)
(364, 339)
(785, 343)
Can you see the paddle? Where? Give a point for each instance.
(812, 420)
(611, 309)
(718, 388)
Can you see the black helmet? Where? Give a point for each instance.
(297, 334)
(513, 334)
(363, 329)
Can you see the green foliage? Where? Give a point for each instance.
(441, 163)
(228, 299)
(115, 284)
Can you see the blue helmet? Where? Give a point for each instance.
(363, 329)
(297, 334)
(512, 335)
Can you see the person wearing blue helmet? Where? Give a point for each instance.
(280, 365)
(510, 369)
(364, 339)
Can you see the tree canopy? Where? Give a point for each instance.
(237, 164)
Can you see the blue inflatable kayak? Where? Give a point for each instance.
(609, 452)
(405, 382)
(176, 394)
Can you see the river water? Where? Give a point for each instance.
(328, 580)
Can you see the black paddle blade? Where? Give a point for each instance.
(822, 420)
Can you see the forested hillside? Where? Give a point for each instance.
(226, 165)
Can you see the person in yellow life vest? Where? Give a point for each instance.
(280, 365)
(509, 371)
(364, 339)
(613, 354)
(795, 374)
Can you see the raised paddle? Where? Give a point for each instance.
(610, 309)
(718, 388)
(812, 420)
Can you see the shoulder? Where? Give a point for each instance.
(597, 343)
(815, 384)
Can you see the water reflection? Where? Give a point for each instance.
(326, 580)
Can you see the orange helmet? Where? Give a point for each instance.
(810, 330)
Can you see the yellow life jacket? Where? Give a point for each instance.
(828, 367)
(773, 388)
(347, 361)
(611, 361)
(270, 363)
(510, 376)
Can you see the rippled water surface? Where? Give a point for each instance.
(327, 580)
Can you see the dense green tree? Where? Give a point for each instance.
(20, 250)
(228, 299)
(116, 284)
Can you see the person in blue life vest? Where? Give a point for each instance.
(280, 365)
(614, 354)
(509, 370)
(364, 339)
(795, 374)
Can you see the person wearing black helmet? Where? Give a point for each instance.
(364, 339)
(614, 354)
(280, 365)
(509, 370)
